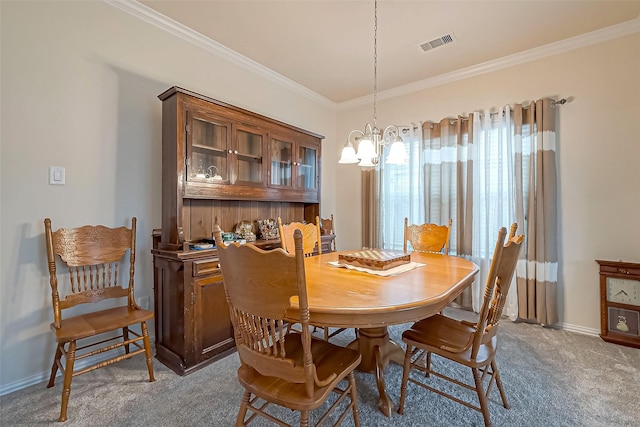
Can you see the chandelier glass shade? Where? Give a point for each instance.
(371, 141)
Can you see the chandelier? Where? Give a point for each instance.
(372, 140)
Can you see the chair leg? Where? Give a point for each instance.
(503, 395)
(427, 372)
(482, 397)
(304, 418)
(125, 337)
(326, 333)
(406, 367)
(242, 412)
(68, 375)
(54, 367)
(354, 399)
(147, 350)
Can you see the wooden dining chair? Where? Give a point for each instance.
(473, 345)
(290, 369)
(96, 270)
(311, 238)
(327, 226)
(427, 237)
(310, 234)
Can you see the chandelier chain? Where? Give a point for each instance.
(375, 63)
(372, 140)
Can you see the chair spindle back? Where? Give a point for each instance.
(95, 259)
(503, 266)
(260, 287)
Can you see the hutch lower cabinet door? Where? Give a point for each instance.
(192, 324)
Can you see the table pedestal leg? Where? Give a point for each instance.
(377, 350)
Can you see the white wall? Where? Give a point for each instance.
(599, 151)
(79, 89)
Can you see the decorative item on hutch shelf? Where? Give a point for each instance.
(268, 229)
(209, 174)
(244, 229)
(620, 302)
(213, 176)
(375, 259)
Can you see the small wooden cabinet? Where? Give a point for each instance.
(192, 317)
(620, 302)
(220, 165)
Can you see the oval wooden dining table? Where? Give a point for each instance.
(344, 298)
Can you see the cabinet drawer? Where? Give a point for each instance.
(205, 267)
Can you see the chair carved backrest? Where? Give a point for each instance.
(95, 258)
(326, 225)
(501, 271)
(427, 237)
(260, 286)
(310, 236)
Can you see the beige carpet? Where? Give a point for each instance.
(552, 378)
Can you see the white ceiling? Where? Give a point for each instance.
(327, 45)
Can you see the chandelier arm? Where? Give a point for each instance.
(356, 131)
(391, 130)
(368, 129)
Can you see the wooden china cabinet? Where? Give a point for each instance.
(220, 165)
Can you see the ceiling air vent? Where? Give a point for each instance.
(440, 41)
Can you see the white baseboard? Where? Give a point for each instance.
(578, 329)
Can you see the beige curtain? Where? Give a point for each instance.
(484, 171)
(448, 176)
(536, 274)
(371, 236)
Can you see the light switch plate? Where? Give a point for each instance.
(56, 175)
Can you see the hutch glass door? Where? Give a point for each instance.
(249, 155)
(207, 142)
(281, 162)
(307, 160)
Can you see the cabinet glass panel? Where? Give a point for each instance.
(208, 134)
(249, 156)
(203, 166)
(281, 160)
(306, 168)
(207, 142)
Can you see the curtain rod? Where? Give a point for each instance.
(493, 113)
(553, 104)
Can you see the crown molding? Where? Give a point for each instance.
(151, 16)
(171, 26)
(587, 39)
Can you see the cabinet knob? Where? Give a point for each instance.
(235, 152)
(230, 151)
